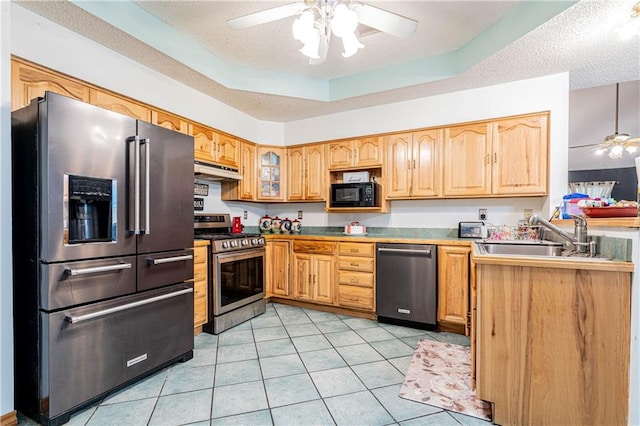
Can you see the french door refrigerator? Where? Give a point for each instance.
(102, 237)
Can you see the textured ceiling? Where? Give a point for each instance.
(457, 46)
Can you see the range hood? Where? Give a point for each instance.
(214, 172)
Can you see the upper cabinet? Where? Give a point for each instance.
(119, 104)
(499, 158)
(270, 173)
(227, 150)
(467, 153)
(204, 139)
(29, 82)
(214, 147)
(247, 186)
(413, 168)
(520, 149)
(357, 153)
(170, 121)
(306, 173)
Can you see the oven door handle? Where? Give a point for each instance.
(169, 259)
(75, 319)
(98, 269)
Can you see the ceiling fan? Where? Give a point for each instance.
(318, 19)
(617, 143)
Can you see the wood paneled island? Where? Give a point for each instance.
(552, 342)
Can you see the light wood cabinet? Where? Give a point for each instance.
(467, 154)
(356, 275)
(503, 157)
(29, 82)
(277, 256)
(553, 344)
(306, 173)
(247, 186)
(227, 151)
(357, 153)
(271, 171)
(170, 121)
(119, 104)
(413, 164)
(200, 279)
(313, 271)
(213, 147)
(520, 150)
(453, 286)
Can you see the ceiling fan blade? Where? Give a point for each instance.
(265, 16)
(385, 21)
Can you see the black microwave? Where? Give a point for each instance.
(357, 194)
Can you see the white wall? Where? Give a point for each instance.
(6, 283)
(49, 44)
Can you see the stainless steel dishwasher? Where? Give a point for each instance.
(406, 282)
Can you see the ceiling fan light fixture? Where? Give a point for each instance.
(311, 48)
(303, 26)
(632, 27)
(617, 143)
(351, 45)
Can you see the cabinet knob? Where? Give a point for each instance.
(355, 264)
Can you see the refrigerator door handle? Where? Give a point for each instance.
(98, 269)
(169, 259)
(136, 183)
(75, 319)
(147, 224)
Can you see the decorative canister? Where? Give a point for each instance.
(296, 226)
(276, 222)
(285, 227)
(265, 224)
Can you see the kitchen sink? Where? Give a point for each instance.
(540, 248)
(521, 248)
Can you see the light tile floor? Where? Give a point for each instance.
(289, 366)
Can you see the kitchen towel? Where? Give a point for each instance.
(440, 375)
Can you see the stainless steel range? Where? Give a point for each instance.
(236, 272)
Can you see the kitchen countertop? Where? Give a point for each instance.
(556, 262)
(390, 235)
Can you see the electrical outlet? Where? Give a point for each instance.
(528, 213)
(299, 214)
(246, 215)
(482, 214)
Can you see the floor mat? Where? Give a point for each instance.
(440, 375)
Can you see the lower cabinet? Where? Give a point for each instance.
(200, 278)
(277, 261)
(313, 271)
(553, 342)
(356, 275)
(453, 288)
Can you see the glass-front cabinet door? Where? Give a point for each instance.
(271, 169)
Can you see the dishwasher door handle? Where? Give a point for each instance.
(410, 251)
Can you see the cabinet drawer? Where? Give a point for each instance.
(361, 279)
(325, 247)
(200, 272)
(200, 254)
(356, 249)
(200, 289)
(355, 297)
(361, 264)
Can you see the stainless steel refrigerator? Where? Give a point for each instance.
(102, 230)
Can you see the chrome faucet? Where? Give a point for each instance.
(579, 239)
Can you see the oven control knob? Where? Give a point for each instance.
(254, 242)
(225, 244)
(245, 242)
(261, 240)
(234, 243)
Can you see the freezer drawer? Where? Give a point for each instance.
(160, 269)
(75, 283)
(93, 349)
